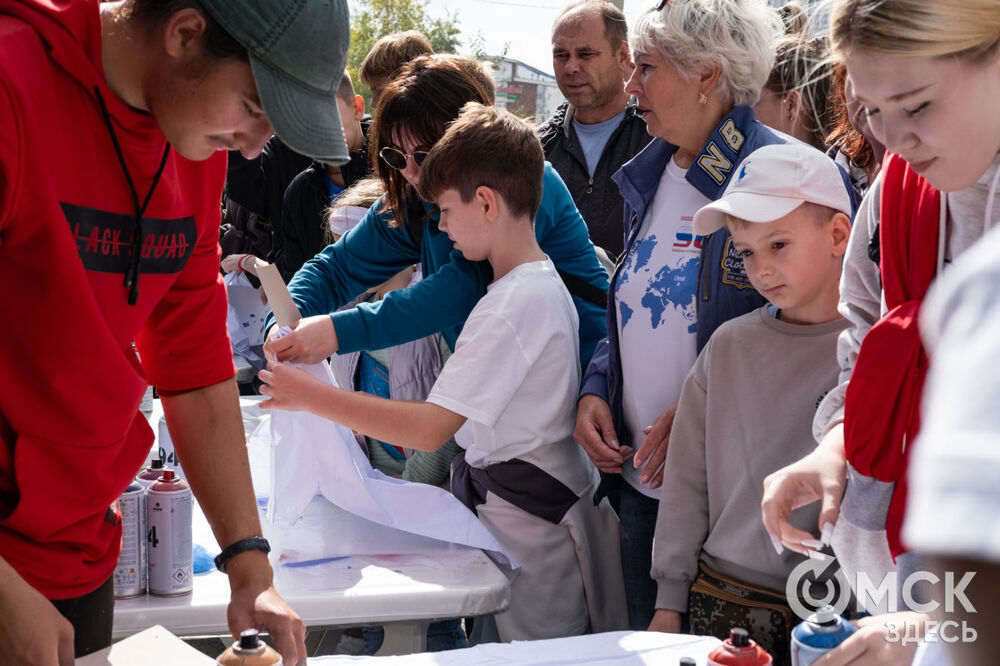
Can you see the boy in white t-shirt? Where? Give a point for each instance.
(515, 375)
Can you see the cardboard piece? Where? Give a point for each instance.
(153, 647)
(285, 312)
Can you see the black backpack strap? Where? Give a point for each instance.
(588, 292)
(874, 252)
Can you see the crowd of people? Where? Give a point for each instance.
(667, 345)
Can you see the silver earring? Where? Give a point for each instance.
(702, 98)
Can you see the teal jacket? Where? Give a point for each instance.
(372, 252)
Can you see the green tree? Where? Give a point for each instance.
(374, 19)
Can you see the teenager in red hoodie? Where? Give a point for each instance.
(115, 120)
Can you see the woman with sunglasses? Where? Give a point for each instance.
(401, 230)
(700, 67)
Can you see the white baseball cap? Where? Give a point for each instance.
(772, 182)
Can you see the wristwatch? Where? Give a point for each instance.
(241, 546)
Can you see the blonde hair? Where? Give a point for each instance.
(737, 35)
(916, 28)
(361, 194)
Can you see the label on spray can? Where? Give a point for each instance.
(821, 632)
(165, 451)
(130, 573)
(168, 520)
(146, 406)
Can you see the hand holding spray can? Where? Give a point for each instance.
(168, 519)
(821, 632)
(249, 651)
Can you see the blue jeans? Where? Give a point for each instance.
(637, 521)
(443, 635)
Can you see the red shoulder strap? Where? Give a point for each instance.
(882, 410)
(909, 213)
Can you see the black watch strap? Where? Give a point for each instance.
(241, 546)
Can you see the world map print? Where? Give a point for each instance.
(667, 288)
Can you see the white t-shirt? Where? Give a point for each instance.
(515, 375)
(655, 297)
(954, 497)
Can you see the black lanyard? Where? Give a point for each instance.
(132, 273)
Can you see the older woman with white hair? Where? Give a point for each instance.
(700, 67)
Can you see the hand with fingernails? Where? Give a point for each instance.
(821, 475)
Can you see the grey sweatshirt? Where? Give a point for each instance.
(745, 411)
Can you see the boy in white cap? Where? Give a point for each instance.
(747, 405)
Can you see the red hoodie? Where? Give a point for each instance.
(71, 436)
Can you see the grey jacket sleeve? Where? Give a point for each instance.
(682, 520)
(861, 303)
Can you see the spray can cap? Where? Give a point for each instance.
(824, 615)
(739, 637)
(156, 463)
(168, 475)
(249, 639)
(687, 661)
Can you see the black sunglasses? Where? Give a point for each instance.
(663, 3)
(397, 158)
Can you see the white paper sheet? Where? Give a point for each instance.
(311, 455)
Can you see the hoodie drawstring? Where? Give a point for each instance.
(132, 272)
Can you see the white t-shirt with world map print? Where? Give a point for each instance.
(655, 297)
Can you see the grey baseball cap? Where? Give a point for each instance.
(298, 51)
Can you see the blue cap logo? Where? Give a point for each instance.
(743, 172)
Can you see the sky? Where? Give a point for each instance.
(525, 24)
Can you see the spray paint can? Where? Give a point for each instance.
(151, 474)
(146, 406)
(130, 572)
(168, 530)
(739, 650)
(165, 451)
(249, 651)
(821, 632)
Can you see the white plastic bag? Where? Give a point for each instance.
(311, 455)
(246, 312)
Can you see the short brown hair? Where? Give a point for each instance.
(390, 53)
(218, 44)
(487, 147)
(615, 28)
(427, 95)
(345, 90)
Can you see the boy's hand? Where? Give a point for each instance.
(654, 448)
(32, 631)
(291, 389)
(313, 340)
(255, 603)
(821, 475)
(595, 432)
(231, 263)
(667, 621)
